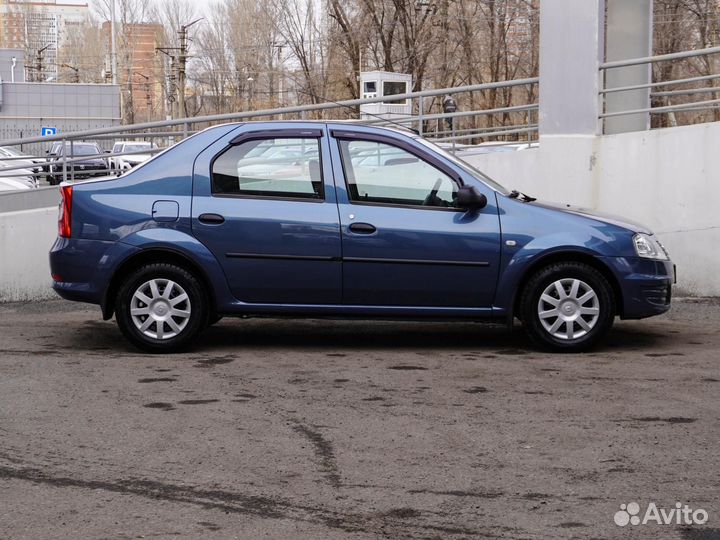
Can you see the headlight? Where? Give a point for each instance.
(648, 248)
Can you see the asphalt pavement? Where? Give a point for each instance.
(350, 429)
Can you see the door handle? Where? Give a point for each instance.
(362, 228)
(211, 219)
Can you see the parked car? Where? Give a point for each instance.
(16, 177)
(20, 158)
(126, 162)
(190, 236)
(94, 165)
(50, 155)
(12, 184)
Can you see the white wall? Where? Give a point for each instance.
(25, 240)
(668, 179)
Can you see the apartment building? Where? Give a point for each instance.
(39, 28)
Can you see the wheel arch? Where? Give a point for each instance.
(561, 257)
(151, 256)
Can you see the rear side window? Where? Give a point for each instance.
(282, 168)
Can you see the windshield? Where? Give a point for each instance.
(464, 165)
(138, 147)
(84, 149)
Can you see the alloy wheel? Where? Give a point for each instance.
(568, 309)
(160, 309)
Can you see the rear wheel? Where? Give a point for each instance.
(567, 307)
(161, 308)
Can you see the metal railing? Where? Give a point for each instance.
(514, 122)
(660, 100)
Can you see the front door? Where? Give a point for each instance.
(404, 242)
(264, 204)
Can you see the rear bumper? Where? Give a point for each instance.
(82, 269)
(646, 285)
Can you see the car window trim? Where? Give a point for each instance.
(372, 137)
(295, 133)
(276, 134)
(398, 143)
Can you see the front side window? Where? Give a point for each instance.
(270, 168)
(381, 173)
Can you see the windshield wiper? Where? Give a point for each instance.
(515, 194)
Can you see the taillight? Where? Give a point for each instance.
(65, 217)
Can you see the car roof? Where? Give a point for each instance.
(399, 129)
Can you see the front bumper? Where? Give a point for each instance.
(645, 285)
(90, 172)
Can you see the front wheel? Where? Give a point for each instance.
(161, 308)
(567, 307)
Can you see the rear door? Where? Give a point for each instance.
(264, 204)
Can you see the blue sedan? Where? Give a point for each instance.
(321, 219)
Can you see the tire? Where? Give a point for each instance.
(214, 318)
(144, 297)
(572, 320)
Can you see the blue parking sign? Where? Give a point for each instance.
(47, 131)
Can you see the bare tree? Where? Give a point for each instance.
(298, 24)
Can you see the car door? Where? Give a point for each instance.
(264, 203)
(403, 241)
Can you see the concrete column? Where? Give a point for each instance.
(571, 50)
(629, 35)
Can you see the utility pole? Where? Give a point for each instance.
(182, 62)
(169, 80)
(113, 44)
(39, 63)
(148, 97)
(281, 74)
(178, 63)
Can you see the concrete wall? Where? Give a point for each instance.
(25, 240)
(666, 179)
(29, 199)
(571, 49)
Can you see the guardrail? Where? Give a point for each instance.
(667, 108)
(512, 122)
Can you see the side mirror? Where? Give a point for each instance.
(470, 198)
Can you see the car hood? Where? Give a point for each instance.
(137, 158)
(20, 163)
(12, 184)
(597, 216)
(15, 173)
